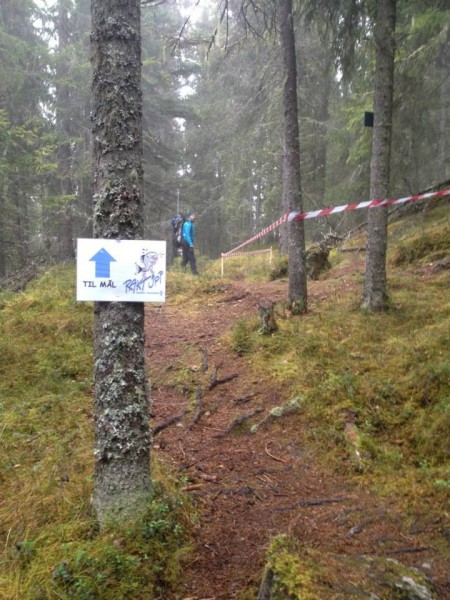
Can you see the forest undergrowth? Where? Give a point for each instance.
(373, 388)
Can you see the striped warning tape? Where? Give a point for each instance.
(262, 233)
(298, 216)
(252, 252)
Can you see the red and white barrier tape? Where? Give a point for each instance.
(297, 216)
(274, 225)
(252, 252)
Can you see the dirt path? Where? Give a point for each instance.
(247, 487)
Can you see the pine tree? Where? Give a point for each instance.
(122, 437)
(375, 287)
(292, 195)
(23, 129)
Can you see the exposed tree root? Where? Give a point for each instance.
(198, 408)
(167, 423)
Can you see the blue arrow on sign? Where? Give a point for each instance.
(102, 263)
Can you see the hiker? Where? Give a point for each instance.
(188, 237)
(177, 227)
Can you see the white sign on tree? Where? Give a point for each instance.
(121, 270)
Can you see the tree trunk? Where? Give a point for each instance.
(122, 434)
(267, 321)
(442, 174)
(2, 235)
(66, 247)
(374, 293)
(322, 129)
(292, 196)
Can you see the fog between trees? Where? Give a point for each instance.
(219, 149)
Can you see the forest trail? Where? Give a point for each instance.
(251, 487)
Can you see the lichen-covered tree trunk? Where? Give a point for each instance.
(374, 295)
(122, 435)
(292, 195)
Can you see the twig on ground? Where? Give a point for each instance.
(193, 486)
(272, 456)
(321, 501)
(182, 451)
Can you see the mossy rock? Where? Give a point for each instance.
(296, 573)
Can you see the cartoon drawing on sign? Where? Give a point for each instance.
(146, 276)
(148, 261)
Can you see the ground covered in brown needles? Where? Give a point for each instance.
(250, 487)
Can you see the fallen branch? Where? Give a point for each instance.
(210, 478)
(407, 550)
(215, 381)
(442, 264)
(235, 298)
(355, 249)
(193, 486)
(239, 420)
(17, 281)
(281, 508)
(321, 501)
(243, 399)
(167, 423)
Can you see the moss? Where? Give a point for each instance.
(388, 373)
(428, 245)
(52, 548)
(139, 560)
(294, 572)
(280, 269)
(389, 370)
(243, 336)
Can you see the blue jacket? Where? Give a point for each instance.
(189, 232)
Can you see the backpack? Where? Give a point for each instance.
(177, 226)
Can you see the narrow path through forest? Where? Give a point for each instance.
(250, 487)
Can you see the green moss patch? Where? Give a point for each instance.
(297, 573)
(51, 547)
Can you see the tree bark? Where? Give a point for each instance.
(374, 292)
(292, 195)
(322, 128)
(122, 433)
(66, 247)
